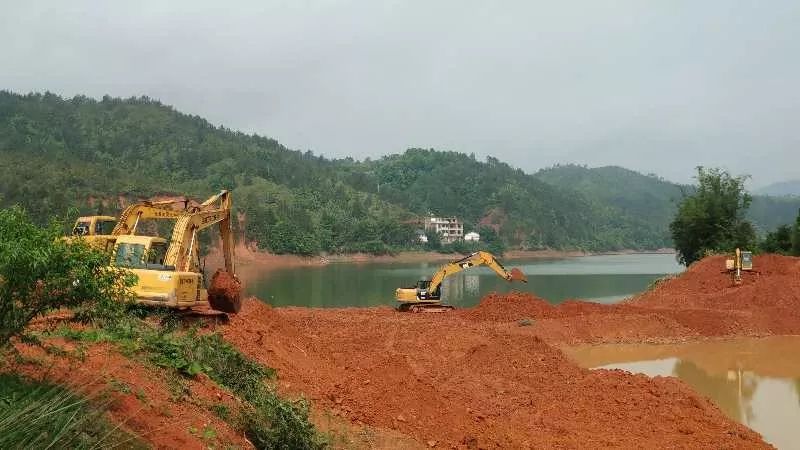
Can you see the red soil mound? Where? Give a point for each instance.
(465, 380)
(702, 302)
(774, 284)
(510, 307)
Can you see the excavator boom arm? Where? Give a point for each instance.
(183, 247)
(130, 217)
(476, 259)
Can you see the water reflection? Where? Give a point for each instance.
(605, 278)
(753, 381)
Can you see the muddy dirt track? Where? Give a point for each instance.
(480, 378)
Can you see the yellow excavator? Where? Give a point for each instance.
(169, 272)
(426, 295)
(102, 231)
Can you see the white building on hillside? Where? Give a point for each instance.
(472, 236)
(449, 228)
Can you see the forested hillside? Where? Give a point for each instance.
(653, 199)
(646, 197)
(57, 154)
(528, 212)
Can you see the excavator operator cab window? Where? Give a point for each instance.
(81, 229)
(423, 284)
(129, 255)
(104, 226)
(156, 255)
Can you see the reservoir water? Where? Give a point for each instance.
(606, 278)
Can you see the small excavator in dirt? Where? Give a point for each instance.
(102, 231)
(169, 273)
(742, 262)
(426, 295)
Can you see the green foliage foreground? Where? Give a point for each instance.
(41, 415)
(39, 272)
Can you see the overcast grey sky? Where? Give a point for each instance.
(656, 86)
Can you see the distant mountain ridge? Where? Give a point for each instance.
(782, 188)
(654, 199)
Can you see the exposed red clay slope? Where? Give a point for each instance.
(474, 379)
(142, 401)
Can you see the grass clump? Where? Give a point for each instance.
(37, 415)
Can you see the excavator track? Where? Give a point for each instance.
(425, 308)
(204, 316)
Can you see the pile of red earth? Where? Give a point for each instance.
(473, 379)
(702, 302)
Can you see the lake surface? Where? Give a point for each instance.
(605, 279)
(753, 381)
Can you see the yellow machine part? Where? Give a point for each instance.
(169, 288)
(406, 295)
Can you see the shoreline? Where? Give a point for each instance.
(250, 258)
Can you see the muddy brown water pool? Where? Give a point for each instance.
(755, 381)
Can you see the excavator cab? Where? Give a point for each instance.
(94, 226)
(424, 292)
(158, 284)
(95, 230)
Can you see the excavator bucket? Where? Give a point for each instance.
(225, 292)
(517, 275)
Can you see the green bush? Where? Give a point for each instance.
(778, 241)
(39, 272)
(712, 218)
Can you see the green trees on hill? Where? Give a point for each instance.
(778, 241)
(653, 201)
(527, 212)
(60, 153)
(784, 240)
(712, 217)
(647, 199)
(57, 154)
